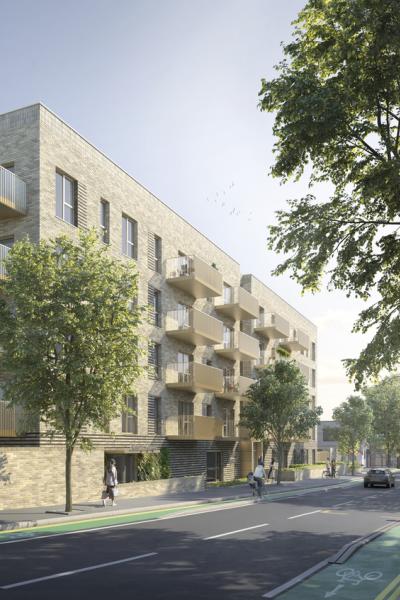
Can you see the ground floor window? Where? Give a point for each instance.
(214, 466)
(126, 465)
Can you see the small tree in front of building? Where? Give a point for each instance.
(279, 407)
(69, 335)
(354, 419)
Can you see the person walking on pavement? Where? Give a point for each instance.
(328, 467)
(271, 468)
(111, 482)
(259, 476)
(333, 467)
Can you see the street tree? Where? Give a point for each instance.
(354, 419)
(336, 98)
(69, 335)
(384, 400)
(279, 407)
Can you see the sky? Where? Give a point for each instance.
(168, 89)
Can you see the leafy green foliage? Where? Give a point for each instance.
(279, 407)
(153, 465)
(68, 330)
(354, 418)
(337, 105)
(384, 401)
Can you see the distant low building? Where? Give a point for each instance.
(326, 441)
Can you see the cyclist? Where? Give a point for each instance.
(259, 476)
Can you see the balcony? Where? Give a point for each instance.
(194, 327)
(239, 346)
(193, 377)
(194, 276)
(193, 427)
(4, 250)
(305, 371)
(237, 304)
(297, 341)
(8, 420)
(12, 195)
(263, 361)
(235, 387)
(272, 326)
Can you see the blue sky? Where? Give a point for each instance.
(169, 90)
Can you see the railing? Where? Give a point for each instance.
(229, 429)
(272, 320)
(241, 341)
(185, 266)
(240, 296)
(194, 426)
(12, 191)
(4, 250)
(200, 322)
(8, 420)
(195, 375)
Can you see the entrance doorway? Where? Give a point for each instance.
(214, 466)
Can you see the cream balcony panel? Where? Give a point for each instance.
(238, 304)
(272, 326)
(239, 346)
(305, 371)
(194, 377)
(194, 276)
(297, 341)
(193, 427)
(263, 361)
(4, 250)
(193, 326)
(12, 195)
(235, 387)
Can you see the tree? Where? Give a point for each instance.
(354, 418)
(337, 105)
(384, 401)
(279, 407)
(68, 329)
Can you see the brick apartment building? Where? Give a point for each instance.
(211, 328)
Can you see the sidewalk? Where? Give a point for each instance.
(44, 515)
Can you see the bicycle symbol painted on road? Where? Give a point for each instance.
(352, 577)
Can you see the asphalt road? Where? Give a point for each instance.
(237, 552)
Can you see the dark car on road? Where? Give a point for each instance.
(379, 477)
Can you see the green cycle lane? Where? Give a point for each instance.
(372, 573)
(119, 520)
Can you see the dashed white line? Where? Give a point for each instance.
(305, 514)
(213, 537)
(68, 573)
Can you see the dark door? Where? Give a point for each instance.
(214, 466)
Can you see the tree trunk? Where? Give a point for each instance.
(353, 466)
(68, 483)
(280, 463)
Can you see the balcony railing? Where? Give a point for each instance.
(12, 195)
(8, 420)
(235, 387)
(272, 326)
(237, 303)
(193, 377)
(194, 427)
(297, 341)
(4, 250)
(239, 346)
(194, 327)
(194, 276)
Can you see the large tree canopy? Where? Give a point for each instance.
(384, 400)
(354, 418)
(337, 105)
(69, 334)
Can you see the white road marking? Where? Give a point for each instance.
(343, 503)
(68, 573)
(305, 514)
(213, 537)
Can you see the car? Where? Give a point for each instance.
(379, 477)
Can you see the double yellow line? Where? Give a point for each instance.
(391, 591)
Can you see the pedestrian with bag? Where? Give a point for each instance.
(111, 483)
(271, 469)
(259, 476)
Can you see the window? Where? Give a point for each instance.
(154, 416)
(65, 198)
(313, 350)
(154, 257)
(313, 378)
(129, 237)
(154, 360)
(154, 301)
(105, 221)
(228, 337)
(183, 367)
(229, 422)
(129, 419)
(185, 418)
(126, 465)
(207, 410)
(228, 294)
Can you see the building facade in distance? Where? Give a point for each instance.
(211, 327)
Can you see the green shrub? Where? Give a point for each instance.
(153, 465)
(165, 469)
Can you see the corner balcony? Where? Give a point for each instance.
(193, 326)
(12, 195)
(193, 427)
(239, 346)
(238, 304)
(297, 341)
(194, 377)
(4, 250)
(194, 276)
(235, 387)
(272, 326)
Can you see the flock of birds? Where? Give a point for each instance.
(223, 200)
